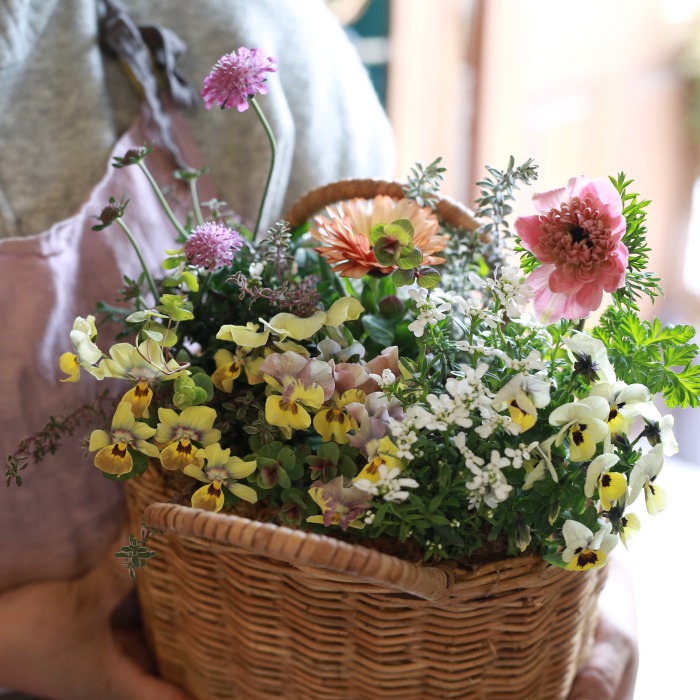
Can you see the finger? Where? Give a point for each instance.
(109, 579)
(607, 666)
(130, 682)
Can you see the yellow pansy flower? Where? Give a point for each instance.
(183, 434)
(245, 336)
(228, 369)
(288, 409)
(287, 325)
(220, 469)
(112, 448)
(335, 422)
(342, 310)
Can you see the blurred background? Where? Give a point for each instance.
(585, 88)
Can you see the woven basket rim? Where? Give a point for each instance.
(303, 548)
(451, 211)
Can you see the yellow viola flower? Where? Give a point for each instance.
(611, 485)
(228, 369)
(245, 336)
(584, 550)
(342, 310)
(341, 502)
(184, 434)
(287, 325)
(383, 452)
(87, 355)
(335, 422)
(68, 364)
(142, 365)
(112, 448)
(288, 409)
(584, 423)
(643, 477)
(219, 470)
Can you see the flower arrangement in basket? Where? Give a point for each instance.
(367, 370)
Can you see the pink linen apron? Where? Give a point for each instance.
(59, 522)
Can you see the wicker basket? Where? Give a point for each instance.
(236, 608)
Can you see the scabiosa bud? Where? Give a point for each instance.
(211, 246)
(237, 76)
(113, 211)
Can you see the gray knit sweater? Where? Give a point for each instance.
(63, 103)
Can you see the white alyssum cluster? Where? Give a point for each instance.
(389, 486)
(432, 308)
(489, 485)
(508, 287)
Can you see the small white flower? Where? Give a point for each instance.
(255, 270)
(386, 378)
(390, 486)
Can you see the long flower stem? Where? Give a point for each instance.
(163, 202)
(195, 202)
(273, 149)
(135, 245)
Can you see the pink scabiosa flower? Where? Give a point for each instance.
(211, 246)
(237, 76)
(577, 236)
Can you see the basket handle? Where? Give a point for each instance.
(312, 202)
(301, 549)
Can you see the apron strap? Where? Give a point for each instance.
(142, 50)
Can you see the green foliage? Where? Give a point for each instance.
(658, 356)
(135, 554)
(423, 184)
(638, 280)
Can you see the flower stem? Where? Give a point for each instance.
(195, 202)
(273, 149)
(162, 200)
(149, 277)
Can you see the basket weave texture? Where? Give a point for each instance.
(238, 609)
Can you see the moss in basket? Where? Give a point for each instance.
(377, 374)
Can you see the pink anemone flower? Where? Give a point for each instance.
(577, 236)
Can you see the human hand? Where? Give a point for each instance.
(57, 640)
(611, 669)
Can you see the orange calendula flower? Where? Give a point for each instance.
(344, 233)
(113, 455)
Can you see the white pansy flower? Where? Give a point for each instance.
(590, 357)
(585, 424)
(584, 550)
(523, 395)
(543, 455)
(659, 430)
(611, 485)
(644, 475)
(625, 401)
